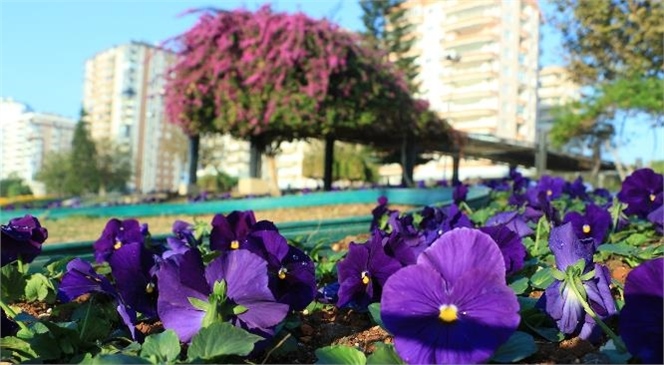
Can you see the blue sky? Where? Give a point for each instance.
(44, 44)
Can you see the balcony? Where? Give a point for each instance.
(456, 24)
(469, 4)
(480, 73)
(483, 37)
(456, 94)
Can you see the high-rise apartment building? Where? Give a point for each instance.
(123, 96)
(555, 89)
(478, 63)
(28, 137)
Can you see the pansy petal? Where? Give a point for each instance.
(463, 249)
(567, 248)
(80, 279)
(131, 266)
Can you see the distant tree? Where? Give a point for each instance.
(269, 77)
(611, 39)
(83, 160)
(113, 166)
(593, 119)
(13, 185)
(352, 162)
(56, 173)
(388, 29)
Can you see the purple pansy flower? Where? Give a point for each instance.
(230, 232)
(363, 272)
(511, 220)
(453, 306)
(552, 187)
(292, 276)
(576, 189)
(81, 278)
(132, 266)
(574, 264)
(642, 192)
(186, 287)
(117, 233)
(460, 193)
(594, 224)
(641, 317)
(22, 238)
(378, 212)
(185, 232)
(436, 221)
(656, 217)
(511, 246)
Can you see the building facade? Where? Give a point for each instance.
(28, 137)
(123, 96)
(555, 89)
(478, 62)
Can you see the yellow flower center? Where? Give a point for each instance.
(365, 278)
(117, 245)
(282, 273)
(652, 197)
(149, 288)
(235, 244)
(586, 229)
(448, 313)
(549, 192)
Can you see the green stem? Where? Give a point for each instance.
(12, 314)
(19, 262)
(463, 205)
(85, 320)
(620, 345)
(537, 235)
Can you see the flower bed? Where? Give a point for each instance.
(547, 272)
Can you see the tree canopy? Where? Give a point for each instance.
(283, 76)
(610, 39)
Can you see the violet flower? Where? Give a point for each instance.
(642, 192)
(81, 278)
(436, 221)
(131, 267)
(576, 275)
(656, 217)
(230, 232)
(460, 193)
(292, 276)
(511, 220)
(576, 189)
(511, 246)
(378, 212)
(552, 187)
(453, 306)
(117, 233)
(363, 272)
(641, 317)
(21, 238)
(233, 287)
(594, 224)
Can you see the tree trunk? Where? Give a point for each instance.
(194, 142)
(616, 159)
(597, 161)
(455, 168)
(329, 161)
(407, 160)
(255, 156)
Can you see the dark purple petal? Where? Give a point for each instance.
(600, 300)
(349, 273)
(567, 249)
(656, 217)
(294, 283)
(131, 266)
(182, 277)
(594, 224)
(234, 227)
(22, 237)
(641, 318)
(128, 317)
(513, 221)
(380, 265)
(642, 192)
(80, 279)
(552, 187)
(463, 249)
(115, 234)
(511, 246)
(459, 193)
(246, 277)
(563, 307)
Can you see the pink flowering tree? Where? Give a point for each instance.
(270, 77)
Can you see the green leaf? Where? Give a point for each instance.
(519, 286)
(622, 249)
(115, 359)
(11, 284)
(636, 239)
(340, 354)
(16, 348)
(199, 304)
(221, 339)
(615, 356)
(542, 279)
(384, 354)
(374, 310)
(37, 287)
(165, 347)
(239, 309)
(519, 346)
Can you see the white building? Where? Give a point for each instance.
(478, 64)
(28, 137)
(123, 95)
(555, 89)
